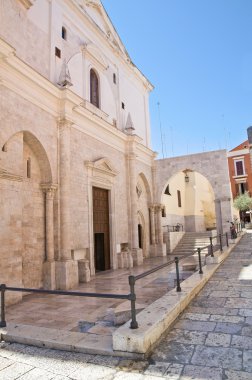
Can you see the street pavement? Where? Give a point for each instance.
(212, 339)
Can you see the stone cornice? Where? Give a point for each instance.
(4, 174)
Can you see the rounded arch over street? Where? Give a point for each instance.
(211, 165)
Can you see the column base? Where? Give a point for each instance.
(84, 271)
(137, 255)
(66, 274)
(161, 249)
(153, 250)
(49, 275)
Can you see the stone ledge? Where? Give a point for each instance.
(156, 318)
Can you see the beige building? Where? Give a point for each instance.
(79, 186)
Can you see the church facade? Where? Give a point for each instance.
(80, 188)
(76, 168)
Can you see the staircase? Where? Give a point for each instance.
(191, 241)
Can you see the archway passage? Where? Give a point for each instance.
(140, 236)
(189, 200)
(101, 229)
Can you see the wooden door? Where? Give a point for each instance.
(101, 229)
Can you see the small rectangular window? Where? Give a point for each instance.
(57, 52)
(239, 167)
(179, 198)
(123, 106)
(114, 78)
(63, 33)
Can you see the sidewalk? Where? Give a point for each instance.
(212, 339)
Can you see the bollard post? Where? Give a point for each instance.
(220, 242)
(133, 323)
(200, 265)
(2, 322)
(227, 239)
(211, 246)
(177, 274)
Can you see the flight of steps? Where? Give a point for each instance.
(191, 241)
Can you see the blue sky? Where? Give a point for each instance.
(198, 55)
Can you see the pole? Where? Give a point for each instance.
(200, 265)
(3, 322)
(133, 323)
(177, 274)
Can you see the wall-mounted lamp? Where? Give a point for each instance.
(187, 179)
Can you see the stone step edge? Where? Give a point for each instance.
(62, 340)
(156, 318)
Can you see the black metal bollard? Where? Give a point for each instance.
(2, 322)
(211, 246)
(227, 239)
(200, 265)
(177, 274)
(133, 323)
(220, 237)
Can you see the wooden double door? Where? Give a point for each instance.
(101, 229)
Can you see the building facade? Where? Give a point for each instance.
(76, 168)
(81, 191)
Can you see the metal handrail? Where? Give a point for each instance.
(132, 280)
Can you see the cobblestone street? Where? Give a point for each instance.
(212, 339)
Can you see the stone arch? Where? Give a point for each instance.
(211, 165)
(33, 142)
(147, 186)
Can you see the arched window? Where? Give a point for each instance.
(28, 168)
(94, 89)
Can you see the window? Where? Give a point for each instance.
(163, 212)
(239, 167)
(167, 190)
(241, 188)
(94, 88)
(63, 33)
(114, 78)
(28, 168)
(57, 52)
(123, 106)
(179, 198)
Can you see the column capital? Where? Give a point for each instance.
(49, 189)
(131, 156)
(64, 123)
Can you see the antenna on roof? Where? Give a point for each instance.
(160, 126)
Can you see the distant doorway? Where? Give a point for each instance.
(101, 229)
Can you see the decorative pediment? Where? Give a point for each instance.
(103, 166)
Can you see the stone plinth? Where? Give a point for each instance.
(66, 274)
(49, 275)
(137, 255)
(84, 271)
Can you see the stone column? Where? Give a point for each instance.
(49, 264)
(152, 224)
(223, 212)
(66, 268)
(161, 249)
(137, 253)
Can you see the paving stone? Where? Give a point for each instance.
(218, 340)
(246, 294)
(158, 368)
(240, 303)
(193, 325)
(226, 318)
(173, 372)
(244, 342)
(14, 371)
(212, 310)
(237, 375)
(4, 362)
(199, 372)
(196, 316)
(247, 331)
(185, 336)
(92, 372)
(225, 294)
(127, 376)
(209, 302)
(173, 352)
(108, 361)
(245, 312)
(247, 361)
(248, 320)
(228, 328)
(218, 357)
(37, 374)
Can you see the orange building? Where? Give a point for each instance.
(240, 172)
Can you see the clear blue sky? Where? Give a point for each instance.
(198, 55)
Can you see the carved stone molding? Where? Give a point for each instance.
(4, 174)
(102, 166)
(49, 189)
(27, 3)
